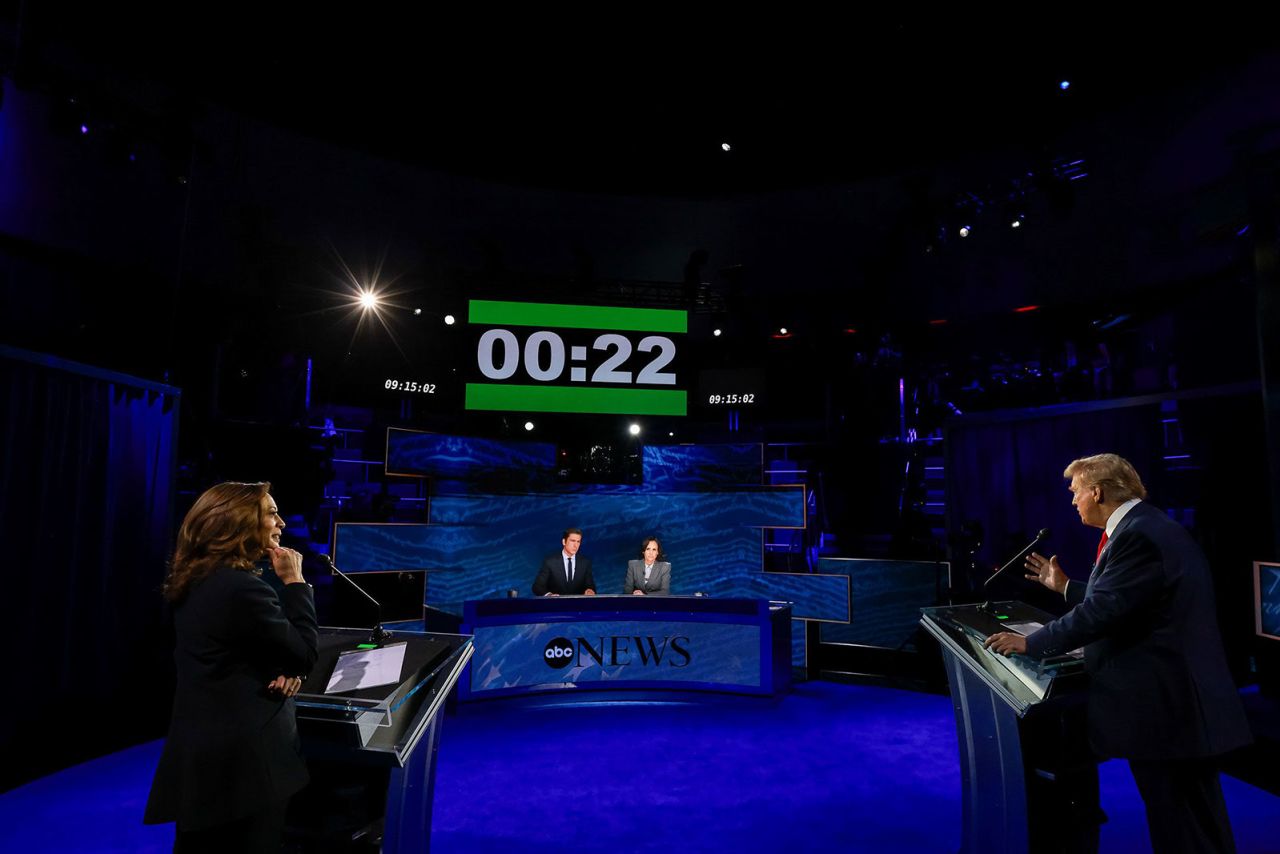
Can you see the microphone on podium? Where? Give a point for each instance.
(1044, 532)
(377, 634)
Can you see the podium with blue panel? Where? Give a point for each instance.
(568, 645)
(379, 742)
(1028, 780)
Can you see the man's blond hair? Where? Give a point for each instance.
(1118, 479)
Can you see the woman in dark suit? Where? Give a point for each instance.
(232, 759)
(651, 574)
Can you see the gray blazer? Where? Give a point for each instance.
(659, 583)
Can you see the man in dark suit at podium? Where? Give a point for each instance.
(1160, 694)
(565, 573)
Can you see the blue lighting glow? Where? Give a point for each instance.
(1064, 85)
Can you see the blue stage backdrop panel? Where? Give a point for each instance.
(645, 512)
(410, 452)
(712, 539)
(799, 639)
(887, 596)
(383, 547)
(480, 546)
(813, 596)
(702, 468)
(1267, 599)
(483, 562)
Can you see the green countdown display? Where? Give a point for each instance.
(542, 357)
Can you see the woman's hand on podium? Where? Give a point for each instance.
(1047, 571)
(285, 686)
(1007, 643)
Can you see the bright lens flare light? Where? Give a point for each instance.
(368, 299)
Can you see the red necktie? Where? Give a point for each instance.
(1101, 544)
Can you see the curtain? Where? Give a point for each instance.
(87, 462)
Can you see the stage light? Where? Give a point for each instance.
(634, 429)
(964, 231)
(782, 330)
(1064, 85)
(528, 425)
(417, 312)
(1017, 223)
(84, 128)
(724, 146)
(672, 433)
(715, 332)
(368, 299)
(449, 320)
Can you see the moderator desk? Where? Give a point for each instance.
(572, 644)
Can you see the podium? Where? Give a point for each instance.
(1029, 782)
(372, 751)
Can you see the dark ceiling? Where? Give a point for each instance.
(631, 104)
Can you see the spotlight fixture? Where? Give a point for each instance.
(1017, 223)
(724, 146)
(634, 429)
(417, 312)
(782, 330)
(716, 332)
(449, 320)
(671, 433)
(964, 231)
(528, 425)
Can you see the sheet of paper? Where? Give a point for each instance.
(367, 668)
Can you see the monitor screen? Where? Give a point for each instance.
(544, 357)
(1266, 599)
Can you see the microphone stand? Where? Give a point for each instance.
(986, 607)
(377, 634)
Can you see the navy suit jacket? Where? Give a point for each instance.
(551, 576)
(1159, 683)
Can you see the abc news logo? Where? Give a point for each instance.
(619, 650)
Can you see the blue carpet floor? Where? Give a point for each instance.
(830, 767)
